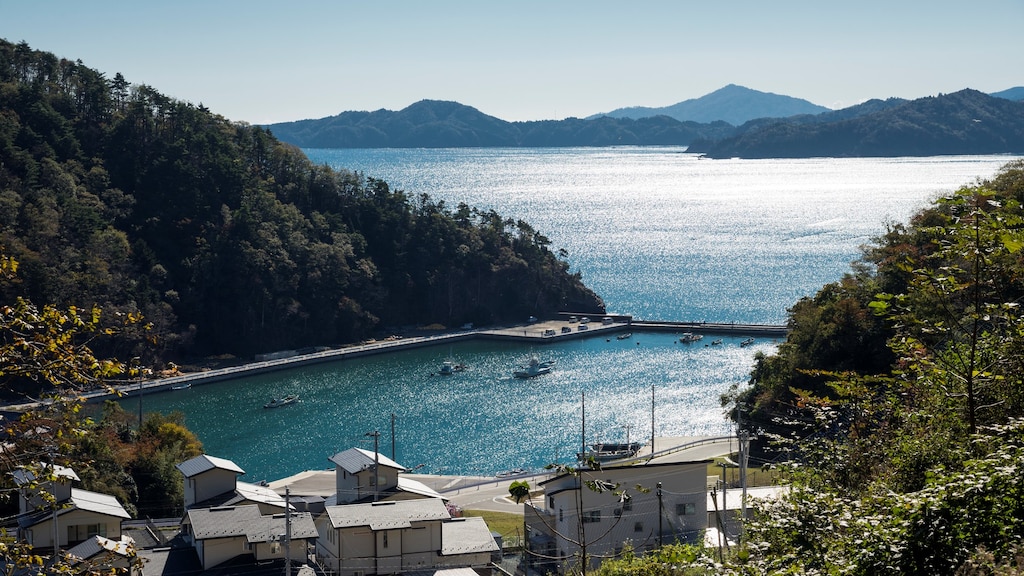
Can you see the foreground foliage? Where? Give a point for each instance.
(895, 408)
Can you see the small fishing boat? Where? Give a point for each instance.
(689, 337)
(534, 368)
(605, 451)
(181, 386)
(282, 401)
(450, 367)
(716, 342)
(624, 336)
(747, 342)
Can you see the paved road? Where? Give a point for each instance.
(477, 494)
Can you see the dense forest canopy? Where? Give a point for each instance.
(229, 241)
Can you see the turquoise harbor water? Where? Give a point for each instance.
(658, 233)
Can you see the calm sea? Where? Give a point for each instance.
(657, 232)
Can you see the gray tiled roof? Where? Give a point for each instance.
(80, 500)
(272, 527)
(222, 522)
(247, 521)
(356, 460)
(466, 536)
(204, 462)
(388, 515)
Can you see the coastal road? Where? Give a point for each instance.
(492, 494)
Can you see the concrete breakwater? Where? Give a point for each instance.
(539, 332)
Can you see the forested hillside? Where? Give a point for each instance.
(894, 410)
(229, 241)
(964, 122)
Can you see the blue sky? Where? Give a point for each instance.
(261, 62)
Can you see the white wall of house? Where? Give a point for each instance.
(31, 500)
(353, 550)
(77, 524)
(214, 551)
(208, 484)
(608, 524)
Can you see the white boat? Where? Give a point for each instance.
(181, 386)
(534, 368)
(282, 401)
(747, 342)
(624, 336)
(605, 451)
(716, 342)
(688, 337)
(450, 367)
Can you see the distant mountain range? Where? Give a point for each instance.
(965, 122)
(440, 124)
(733, 104)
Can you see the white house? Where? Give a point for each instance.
(225, 533)
(393, 537)
(213, 482)
(364, 476)
(51, 503)
(640, 506)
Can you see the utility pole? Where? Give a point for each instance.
(661, 514)
(652, 421)
(583, 424)
(376, 461)
(744, 457)
(287, 533)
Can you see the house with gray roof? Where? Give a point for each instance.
(395, 537)
(49, 502)
(638, 505)
(362, 475)
(356, 482)
(213, 482)
(225, 533)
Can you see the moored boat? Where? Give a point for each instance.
(747, 342)
(624, 336)
(605, 451)
(449, 367)
(534, 368)
(282, 401)
(689, 337)
(181, 386)
(716, 342)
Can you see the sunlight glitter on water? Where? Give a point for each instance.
(658, 233)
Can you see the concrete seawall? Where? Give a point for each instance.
(546, 332)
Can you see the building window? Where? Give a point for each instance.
(561, 516)
(618, 512)
(638, 527)
(592, 516)
(686, 509)
(551, 502)
(385, 539)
